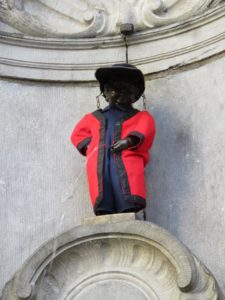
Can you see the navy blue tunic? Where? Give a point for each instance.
(113, 198)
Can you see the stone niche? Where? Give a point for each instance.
(48, 55)
(116, 256)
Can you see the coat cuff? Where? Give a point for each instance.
(82, 146)
(139, 135)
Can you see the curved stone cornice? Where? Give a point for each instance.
(74, 19)
(80, 263)
(152, 51)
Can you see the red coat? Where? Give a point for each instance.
(130, 163)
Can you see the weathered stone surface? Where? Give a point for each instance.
(109, 218)
(125, 260)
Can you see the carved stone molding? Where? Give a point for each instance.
(91, 18)
(74, 19)
(76, 59)
(124, 259)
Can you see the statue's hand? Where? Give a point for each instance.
(128, 142)
(120, 145)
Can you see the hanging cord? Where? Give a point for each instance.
(98, 101)
(144, 102)
(126, 46)
(126, 29)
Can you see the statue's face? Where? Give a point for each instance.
(120, 92)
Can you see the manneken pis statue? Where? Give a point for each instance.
(116, 141)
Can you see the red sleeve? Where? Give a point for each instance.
(145, 131)
(81, 135)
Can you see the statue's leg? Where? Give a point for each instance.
(107, 205)
(123, 202)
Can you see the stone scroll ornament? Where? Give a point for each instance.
(123, 259)
(91, 18)
(116, 141)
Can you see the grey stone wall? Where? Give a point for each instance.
(42, 179)
(187, 173)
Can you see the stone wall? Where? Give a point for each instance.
(43, 184)
(187, 173)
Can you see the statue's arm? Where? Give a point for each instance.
(145, 130)
(140, 138)
(81, 135)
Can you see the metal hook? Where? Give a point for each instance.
(98, 101)
(144, 102)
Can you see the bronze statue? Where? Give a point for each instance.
(116, 141)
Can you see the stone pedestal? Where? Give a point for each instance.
(116, 256)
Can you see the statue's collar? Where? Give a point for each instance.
(117, 106)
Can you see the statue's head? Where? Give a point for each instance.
(121, 83)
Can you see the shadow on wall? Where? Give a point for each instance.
(169, 177)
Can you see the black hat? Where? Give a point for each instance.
(121, 71)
